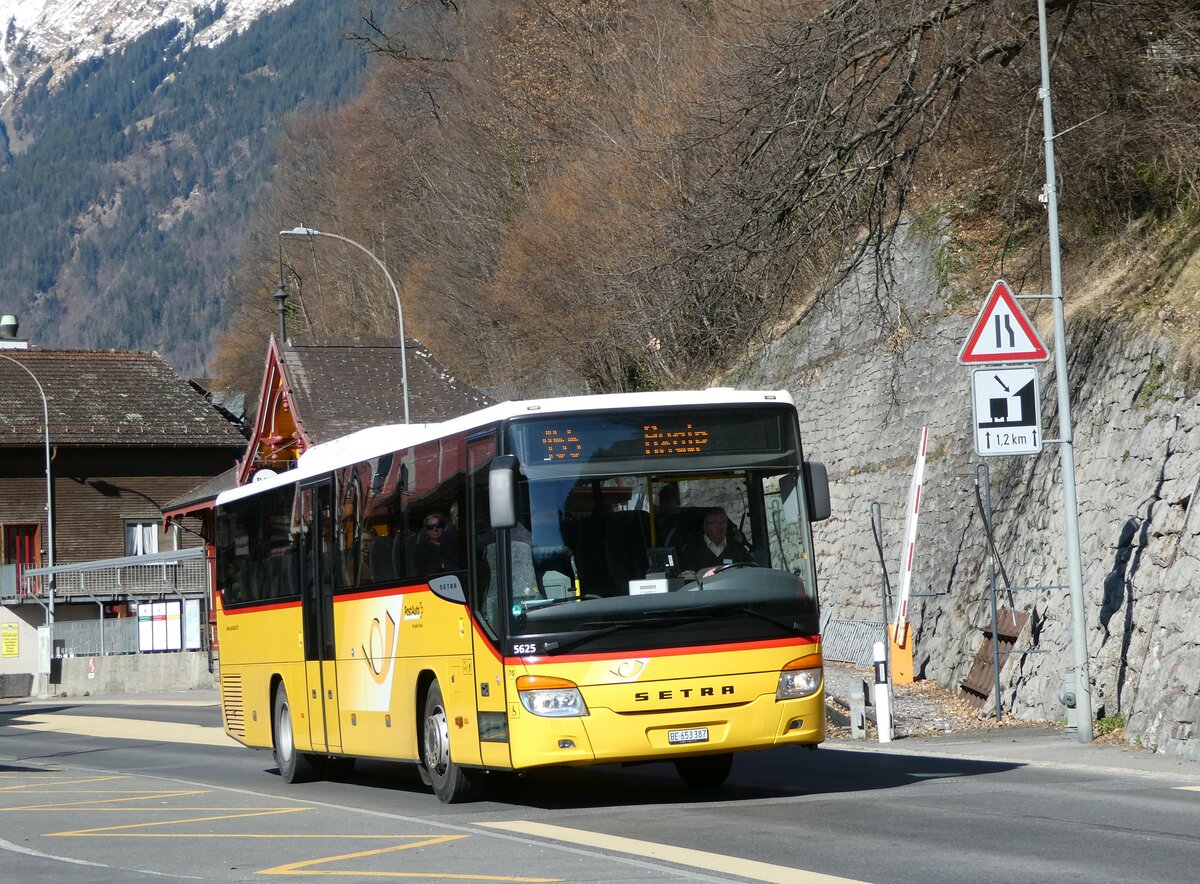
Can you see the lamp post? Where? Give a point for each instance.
(1083, 687)
(49, 485)
(308, 231)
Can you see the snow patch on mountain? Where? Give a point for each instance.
(37, 34)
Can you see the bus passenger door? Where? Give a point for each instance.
(317, 581)
(487, 570)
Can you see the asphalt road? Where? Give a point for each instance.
(136, 791)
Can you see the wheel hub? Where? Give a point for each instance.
(437, 741)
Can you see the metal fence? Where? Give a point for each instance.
(851, 641)
(181, 572)
(87, 638)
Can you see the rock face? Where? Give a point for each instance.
(863, 398)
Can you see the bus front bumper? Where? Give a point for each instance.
(604, 736)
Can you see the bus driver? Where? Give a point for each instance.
(714, 548)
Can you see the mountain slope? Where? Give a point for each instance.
(130, 181)
(36, 35)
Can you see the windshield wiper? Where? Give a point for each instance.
(584, 637)
(712, 610)
(610, 628)
(538, 604)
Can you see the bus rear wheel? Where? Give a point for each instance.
(704, 771)
(451, 783)
(294, 766)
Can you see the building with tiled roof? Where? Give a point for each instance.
(126, 434)
(105, 398)
(315, 390)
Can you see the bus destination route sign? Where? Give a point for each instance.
(565, 443)
(687, 439)
(562, 444)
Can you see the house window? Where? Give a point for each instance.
(141, 538)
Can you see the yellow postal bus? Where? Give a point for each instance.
(571, 581)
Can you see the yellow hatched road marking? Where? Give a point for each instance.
(97, 799)
(716, 862)
(120, 831)
(43, 784)
(307, 867)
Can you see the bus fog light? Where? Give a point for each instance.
(795, 683)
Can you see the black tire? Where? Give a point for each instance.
(704, 771)
(294, 767)
(451, 783)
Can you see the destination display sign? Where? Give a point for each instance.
(657, 436)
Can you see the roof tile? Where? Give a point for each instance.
(105, 397)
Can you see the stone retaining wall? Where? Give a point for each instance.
(864, 397)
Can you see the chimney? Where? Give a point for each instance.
(8, 334)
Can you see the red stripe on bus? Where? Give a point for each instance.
(254, 609)
(666, 652)
(380, 593)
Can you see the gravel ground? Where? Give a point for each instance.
(923, 708)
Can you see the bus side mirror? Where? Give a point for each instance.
(816, 480)
(502, 491)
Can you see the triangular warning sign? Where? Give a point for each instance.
(1002, 332)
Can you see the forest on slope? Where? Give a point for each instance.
(125, 208)
(628, 194)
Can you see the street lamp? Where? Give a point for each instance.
(308, 231)
(49, 485)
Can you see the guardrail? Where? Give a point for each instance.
(182, 572)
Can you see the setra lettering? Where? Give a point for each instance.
(684, 693)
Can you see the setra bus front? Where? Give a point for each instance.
(652, 591)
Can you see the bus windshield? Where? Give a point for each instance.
(668, 555)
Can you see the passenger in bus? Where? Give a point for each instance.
(714, 548)
(430, 554)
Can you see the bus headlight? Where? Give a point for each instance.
(800, 678)
(550, 697)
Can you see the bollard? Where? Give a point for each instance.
(883, 695)
(858, 713)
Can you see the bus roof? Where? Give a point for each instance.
(377, 441)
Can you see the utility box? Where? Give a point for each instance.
(1066, 695)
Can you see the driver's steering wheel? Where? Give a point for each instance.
(731, 565)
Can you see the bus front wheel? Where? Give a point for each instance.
(451, 783)
(294, 767)
(704, 771)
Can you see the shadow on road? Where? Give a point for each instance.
(782, 773)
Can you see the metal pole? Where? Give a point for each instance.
(308, 231)
(986, 472)
(885, 587)
(1083, 689)
(49, 491)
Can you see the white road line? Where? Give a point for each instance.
(25, 851)
(123, 729)
(713, 862)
